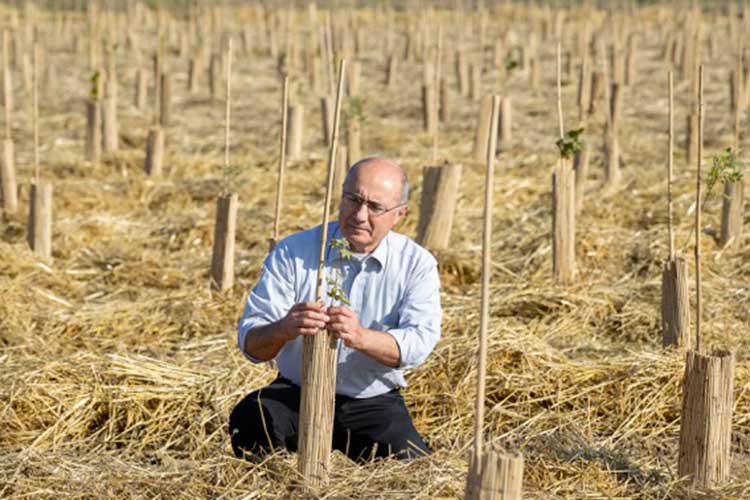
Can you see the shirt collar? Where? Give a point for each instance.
(380, 254)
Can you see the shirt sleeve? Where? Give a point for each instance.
(419, 317)
(271, 298)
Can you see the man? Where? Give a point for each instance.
(392, 324)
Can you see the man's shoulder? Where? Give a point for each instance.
(409, 252)
(306, 240)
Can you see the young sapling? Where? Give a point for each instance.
(345, 253)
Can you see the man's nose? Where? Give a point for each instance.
(362, 213)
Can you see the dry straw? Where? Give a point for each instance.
(118, 367)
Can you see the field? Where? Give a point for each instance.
(119, 364)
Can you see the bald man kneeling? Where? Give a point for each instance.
(391, 324)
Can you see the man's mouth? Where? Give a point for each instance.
(358, 228)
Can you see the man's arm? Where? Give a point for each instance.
(264, 342)
(380, 346)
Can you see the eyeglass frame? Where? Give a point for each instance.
(357, 201)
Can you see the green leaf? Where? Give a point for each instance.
(570, 143)
(726, 169)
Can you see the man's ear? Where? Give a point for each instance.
(402, 213)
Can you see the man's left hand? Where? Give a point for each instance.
(344, 324)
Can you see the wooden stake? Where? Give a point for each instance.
(35, 109)
(354, 77)
(440, 191)
(597, 88)
(731, 214)
(141, 89)
(295, 127)
(475, 89)
(445, 110)
(429, 110)
(391, 70)
(154, 152)
(110, 132)
(225, 226)
(93, 130)
(435, 98)
(505, 123)
(581, 169)
(353, 141)
(462, 73)
(8, 178)
(214, 75)
(318, 386)
(282, 162)
(563, 204)
(40, 219)
(222, 261)
(165, 108)
(698, 210)
(327, 108)
(486, 272)
(706, 423)
(496, 476)
(675, 304)
(691, 138)
(483, 126)
(7, 83)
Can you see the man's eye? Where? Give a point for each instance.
(374, 207)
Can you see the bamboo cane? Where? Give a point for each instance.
(486, 271)
(282, 160)
(436, 93)
(318, 353)
(698, 209)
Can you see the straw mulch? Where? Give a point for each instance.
(119, 366)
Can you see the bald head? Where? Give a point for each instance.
(387, 170)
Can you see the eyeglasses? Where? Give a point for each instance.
(375, 208)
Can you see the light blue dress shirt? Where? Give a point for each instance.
(394, 289)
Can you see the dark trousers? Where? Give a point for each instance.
(267, 420)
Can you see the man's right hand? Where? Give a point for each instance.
(305, 318)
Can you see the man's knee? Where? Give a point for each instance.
(251, 428)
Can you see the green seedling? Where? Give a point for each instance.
(726, 169)
(94, 92)
(510, 64)
(345, 253)
(570, 143)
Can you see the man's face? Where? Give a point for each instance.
(371, 189)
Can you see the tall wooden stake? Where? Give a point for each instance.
(7, 160)
(222, 262)
(436, 93)
(698, 209)
(675, 304)
(40, 205)
(319, 354)
(492, 475)
(563, 204)
(282, 162)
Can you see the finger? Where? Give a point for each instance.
(320, 316)
(310, 323)
(308, 331)
(343, 328)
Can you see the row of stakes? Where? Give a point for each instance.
(439, 196)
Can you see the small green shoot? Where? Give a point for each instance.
(570, 143)
(510, 64)
(94, 92)
(345, 253)
(726, 169)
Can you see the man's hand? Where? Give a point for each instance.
(305, 318)
(344, 324)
